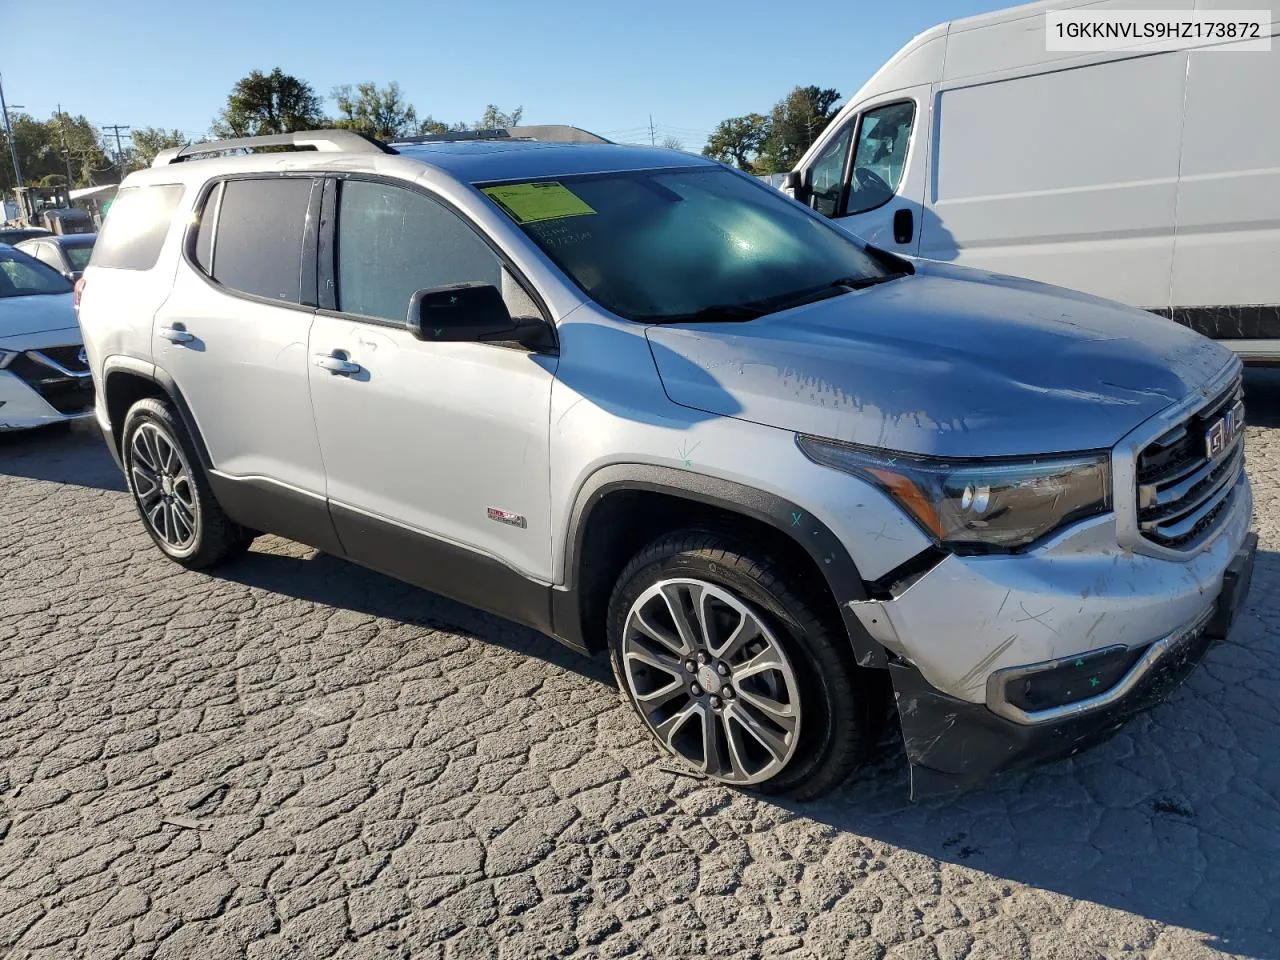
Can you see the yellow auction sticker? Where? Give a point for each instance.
(532, 202)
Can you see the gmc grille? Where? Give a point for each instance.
(1183, 492)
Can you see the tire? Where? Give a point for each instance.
(171, 491)
(837, 708)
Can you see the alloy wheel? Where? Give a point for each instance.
(163, 486)
(711, 680)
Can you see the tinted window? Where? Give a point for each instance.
(880, 155)
(204, 232)
(394, 242)
(685, 244)
(259, 240)
(24, 276)
(136, 226)
(78, 254)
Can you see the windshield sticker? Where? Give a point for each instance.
(534, 202)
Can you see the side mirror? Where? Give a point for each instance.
(795, 185)
(467, 313)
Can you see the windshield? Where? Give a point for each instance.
(78, 254)
(23, 276)
(685, 244)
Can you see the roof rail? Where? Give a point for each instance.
(546, 132)
(327, 141)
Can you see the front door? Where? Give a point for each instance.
(871, 173)
(436, 454)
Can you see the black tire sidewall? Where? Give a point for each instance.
(153, 412)
(828, 688)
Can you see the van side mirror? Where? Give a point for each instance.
(795, 185)
(469, 313)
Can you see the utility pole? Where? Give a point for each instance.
(66, 150)
(8, 132)
(652, 141)
(115, 128)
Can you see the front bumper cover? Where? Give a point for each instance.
(954, 744)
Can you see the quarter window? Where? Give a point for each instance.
(880, 155)
(260, 236)
(136, 226)
(393, 242)
(204, 232)
(828, 174)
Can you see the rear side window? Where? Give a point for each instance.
(257, 245)
(136, 226)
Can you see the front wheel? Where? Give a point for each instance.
(171, 491)
(733, 669)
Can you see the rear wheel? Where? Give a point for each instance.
(171, 491)
(733, 669)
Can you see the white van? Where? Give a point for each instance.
(1148, 178)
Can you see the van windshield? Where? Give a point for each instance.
(685, 244)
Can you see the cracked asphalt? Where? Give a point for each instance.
(294, 757)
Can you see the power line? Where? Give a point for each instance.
(115, 128)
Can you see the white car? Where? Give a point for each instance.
(44, 376)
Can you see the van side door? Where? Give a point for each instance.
(871, 173)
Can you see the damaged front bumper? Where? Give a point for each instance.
(953, 744)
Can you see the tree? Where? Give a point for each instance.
(672, 143)
(52, 148)
(794, 123)
(266, 103)
(738, 140)
(495, 119)
(149, 141)
(430, 126)
(380, 113)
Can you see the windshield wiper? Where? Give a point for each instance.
(860, 283)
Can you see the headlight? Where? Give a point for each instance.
(7, 357)
(979, 505)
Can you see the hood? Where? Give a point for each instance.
(950, 362)
(20, 316)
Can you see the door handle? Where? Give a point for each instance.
(904, 226)
(336, 363)
(176, 333)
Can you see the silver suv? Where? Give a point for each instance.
(642, 402)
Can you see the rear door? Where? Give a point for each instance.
(233, 336)
(871, 174)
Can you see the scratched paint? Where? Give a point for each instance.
(942, 363)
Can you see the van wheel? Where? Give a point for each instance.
(171, 491)
(733, 670)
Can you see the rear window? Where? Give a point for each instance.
(257, 246)
(136, 226)
(78, 254)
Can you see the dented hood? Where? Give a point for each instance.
(950, 361)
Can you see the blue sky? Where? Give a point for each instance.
(605, 65)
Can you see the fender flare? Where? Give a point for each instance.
(811, 534)
(161, 378)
